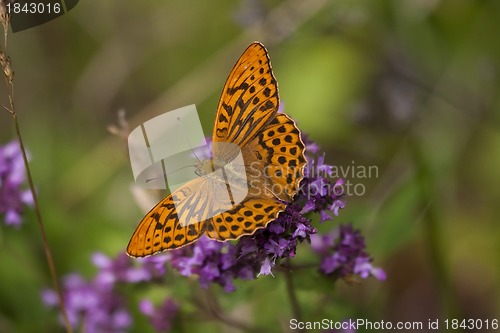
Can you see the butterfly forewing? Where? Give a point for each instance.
(249, 99)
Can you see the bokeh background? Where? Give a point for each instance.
(408, 86)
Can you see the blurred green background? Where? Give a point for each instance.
(408, 86)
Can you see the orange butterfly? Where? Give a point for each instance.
(273, 153)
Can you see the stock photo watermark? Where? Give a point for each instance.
(431, 324)
(26, 14)
(354, 176)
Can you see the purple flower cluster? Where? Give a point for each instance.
(91, 305)
(122, 269)
(278, 241)
(161, 317)
(317, 193)
(343, 254)
(213, 262)
(97, 305)
(251, 256)
(12, 177)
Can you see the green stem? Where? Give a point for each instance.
(292, 295)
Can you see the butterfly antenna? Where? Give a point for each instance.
(171, 172)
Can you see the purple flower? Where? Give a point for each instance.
(91, 305)
(312, 147)
(364, 268)
(343, 254)
(317, 193)
(161, 317)
(122, 268)
(212, 261)
(265, 269)
(322, 167)
(155, 265)
(12, 176)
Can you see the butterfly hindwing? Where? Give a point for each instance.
(245, 218)
(278, 155)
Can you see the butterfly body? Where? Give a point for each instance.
(231, 199)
